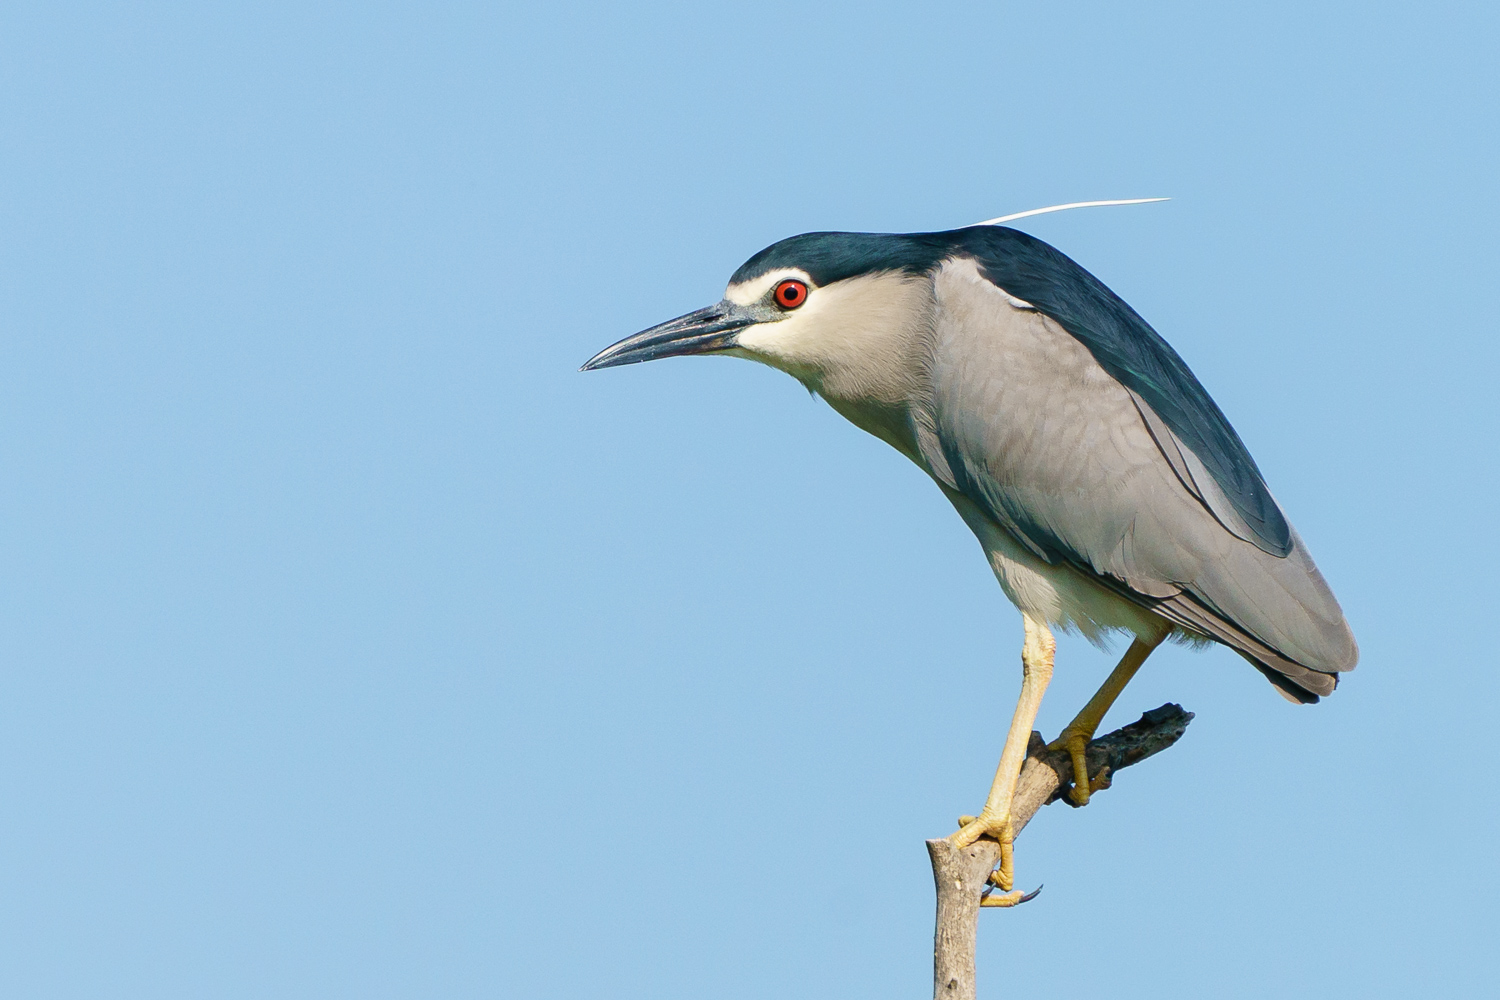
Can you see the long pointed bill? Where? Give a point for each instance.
(701, 332)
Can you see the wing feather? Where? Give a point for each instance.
(1132, 352)
(1084, 470)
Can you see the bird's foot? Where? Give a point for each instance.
(971, 828)
(1015, 898)
(1076, 742)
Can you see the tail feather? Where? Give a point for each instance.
(1294, 681)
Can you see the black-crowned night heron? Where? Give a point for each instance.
(1107, 489)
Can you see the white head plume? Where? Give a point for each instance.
(1063, 208)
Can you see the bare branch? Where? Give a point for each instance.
(960, 875)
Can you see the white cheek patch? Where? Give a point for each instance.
(756, 340)
(748, 292)
(774, 339)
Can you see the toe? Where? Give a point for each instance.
(971, 828)
(1015, 898)
(967, 832)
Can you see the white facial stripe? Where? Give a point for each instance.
(747, 292)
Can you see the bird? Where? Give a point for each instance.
(1107, 490)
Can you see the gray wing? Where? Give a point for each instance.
(1027, 424)
(1125, 346)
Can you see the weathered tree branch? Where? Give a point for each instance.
(960, 875)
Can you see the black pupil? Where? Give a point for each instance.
(791, 292)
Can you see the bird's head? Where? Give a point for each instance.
(840, 311)
(843, 312)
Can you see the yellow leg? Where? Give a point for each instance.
(1076, 734)
(994, 819)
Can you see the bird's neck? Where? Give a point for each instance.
(891, 423)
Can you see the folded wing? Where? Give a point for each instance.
(1084, 467)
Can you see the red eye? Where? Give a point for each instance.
(790, 294)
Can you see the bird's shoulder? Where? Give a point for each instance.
(1025, 422)
(1041, 278)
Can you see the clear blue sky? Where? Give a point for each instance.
(352, 644)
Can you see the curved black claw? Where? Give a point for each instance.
(1028, 897)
